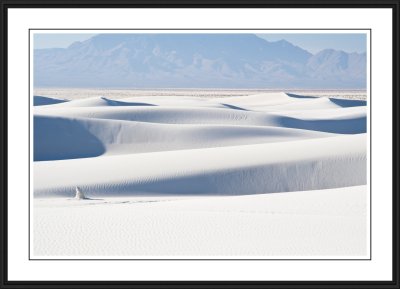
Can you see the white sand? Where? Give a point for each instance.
(311, 224)
(77, 93)
(188, 176)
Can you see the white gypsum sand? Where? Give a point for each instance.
(327, 223)
(263, 175)
(78, 93)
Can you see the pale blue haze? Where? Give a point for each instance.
(58, 40)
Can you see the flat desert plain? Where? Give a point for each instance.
(199, 174)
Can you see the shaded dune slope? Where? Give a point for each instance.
(90, 132)
(60, 138)
(43, 100)
(247, 169)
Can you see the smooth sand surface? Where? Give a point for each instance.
(317, 223)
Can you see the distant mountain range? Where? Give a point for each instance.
(195, 61)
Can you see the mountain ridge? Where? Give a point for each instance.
(195, 60)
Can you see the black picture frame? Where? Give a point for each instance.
(5, 5)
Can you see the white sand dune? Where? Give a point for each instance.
(308, 104)
(344, 120)
(248, 169)
(95, 137)
(257, 102)
(288, 101)
(322, 223)
(130, 155)
(100, 101)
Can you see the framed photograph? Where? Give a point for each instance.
(201, 145)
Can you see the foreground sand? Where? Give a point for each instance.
(310, 223)
(263, 175)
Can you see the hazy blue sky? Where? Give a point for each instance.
(317, 42)
(57, 40)
(311, 42)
